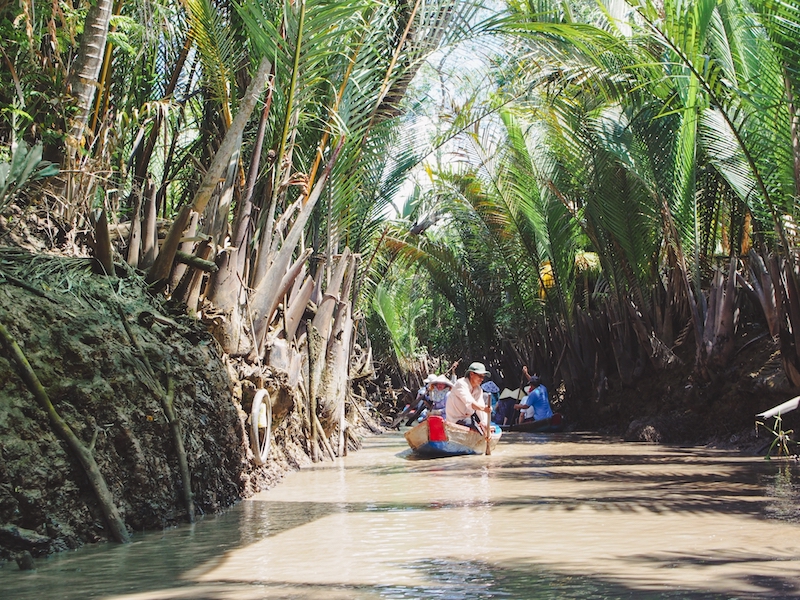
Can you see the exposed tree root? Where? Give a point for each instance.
(115, 523)
(166, 399)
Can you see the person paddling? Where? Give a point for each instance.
(466, 398)
(536, 406)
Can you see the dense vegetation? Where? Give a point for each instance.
(616, 185)
(619, 191)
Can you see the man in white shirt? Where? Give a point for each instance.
(466, 397)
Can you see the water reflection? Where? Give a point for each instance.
(784, 494)
(563, 516)
(475, 580)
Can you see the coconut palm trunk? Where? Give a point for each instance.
(83, 77)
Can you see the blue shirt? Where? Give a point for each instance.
(538, 404)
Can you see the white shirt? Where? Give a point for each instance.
(459, 402)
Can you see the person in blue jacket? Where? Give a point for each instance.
(536, 406)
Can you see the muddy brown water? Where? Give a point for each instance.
(564, 516)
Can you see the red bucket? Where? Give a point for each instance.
(436, 432)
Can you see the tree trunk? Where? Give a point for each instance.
(187, 282)
(267, 293)
(323, 318)
(225, 288)
(335, 379)
(217, 214)
(790, 325)
(196, 279)
(720, 325)
(313, 344)
(135, 237)
(261, 320)
(86, 69)
(186, 246)
(760, 287)
(102, 244)
(150, 233)
(296, 308)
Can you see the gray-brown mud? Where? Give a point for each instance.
(676, 407)
(74, 339)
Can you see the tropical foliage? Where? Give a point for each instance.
(240, 155)
(616, 175)
(607, 192)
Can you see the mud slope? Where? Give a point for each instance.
(75, 341)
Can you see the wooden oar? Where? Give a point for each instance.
(452, 368)
(488, 431)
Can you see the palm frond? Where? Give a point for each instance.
(220, 51)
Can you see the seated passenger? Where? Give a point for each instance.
(439, 390)
(490, 387)
(504, 411)
(421, 403)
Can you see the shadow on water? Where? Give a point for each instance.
(475, 580)
(446, 580)
(153, 566)
(156, 565)
(698, 483)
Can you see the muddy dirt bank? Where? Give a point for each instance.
(675, 407)
(67, 321)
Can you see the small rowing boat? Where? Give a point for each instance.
(549, 425)
(436, 438)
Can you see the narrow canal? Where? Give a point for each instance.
(568, 516)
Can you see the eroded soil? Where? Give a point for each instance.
(72, 334)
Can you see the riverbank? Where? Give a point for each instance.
(93, 342)
(68, 321)
(674, 407)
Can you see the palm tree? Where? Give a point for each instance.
(86, 69)
(647, 135)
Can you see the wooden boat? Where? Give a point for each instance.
(549, 425)
(435, 438)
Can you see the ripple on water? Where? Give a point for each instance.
(783, 493)
(560, 517)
